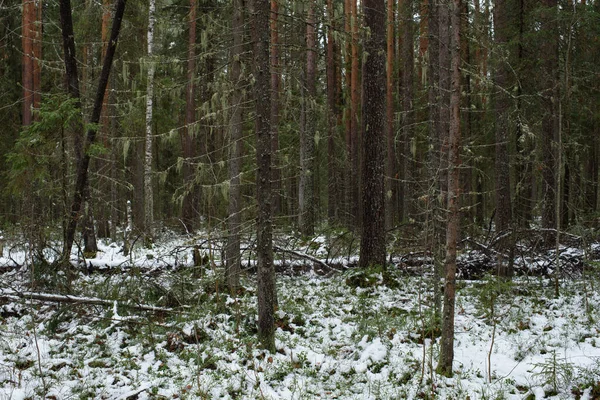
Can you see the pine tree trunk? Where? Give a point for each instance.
(354, 119)
(408, 108)
(423, 39)
(306, 196)
(372, 243)
(189, 206)
(232, 255)
(502, 103)
(548, 142)
(332, 119)
(452, 231)
(390, 167)
(348, 182)
(264, 243)
(435, 228)
(37, 55)
(275, 90)
(27, 29)
(148, 191)
(27, 60)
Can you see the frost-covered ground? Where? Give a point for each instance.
(334, 340)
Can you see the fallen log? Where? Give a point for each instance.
(65, 298)
(307, 257)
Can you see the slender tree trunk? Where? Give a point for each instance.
(275, 90)
(348, 116)
(372, 244)
(423, 39)
(72, 79)
(232, 255)
(452, 231)
(189, 206)
(264, 242)
(102, 164)
(27, 61)
(37, 56)
(148, 191)
(82, 166)
(407, 107)
(502, 103)
(444, 94)
(390, 166)
(355, 118)
(332, 118)
(548, 142)
(306, 195)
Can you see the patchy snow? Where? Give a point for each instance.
(333, 341)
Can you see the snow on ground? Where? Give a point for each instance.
(334, 341)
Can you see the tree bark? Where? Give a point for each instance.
(332, 119)
(502, 103)
(306, 195)
(232, 255)
(259, 10)
(82, 166)
(372, 244)
(548, 142)
(354, 119)
(148, 191)
(390, 167)
(275, 89)
(189, 206)
(408, 108)
(452, 231)
(27, 37)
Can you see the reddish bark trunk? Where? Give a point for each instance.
(452, 232)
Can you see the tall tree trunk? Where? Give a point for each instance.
(264, 242)
(232, 255)
(444, 95)
(189, 206)
(548, 142)
(81, 177)
(27, 33)
(355, 117)
(452, 231)
(372, 243)
(332, 118)
(148, 191)
(390, 166)
(275, 90)
(407, 107)
(423, 39)
(37, 55)
(306, 195)
(523, 173)
(348, 182)
(436, 228)
(102, 164)
(502, 103)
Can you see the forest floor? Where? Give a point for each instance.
(340, 334)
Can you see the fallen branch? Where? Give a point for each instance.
(307, 257)
(484, 248)
(60, 298)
